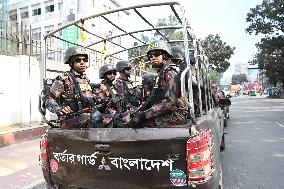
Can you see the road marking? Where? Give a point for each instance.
(248, 122)
(279, 124)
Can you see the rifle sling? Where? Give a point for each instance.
(77, 91)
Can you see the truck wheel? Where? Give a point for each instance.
(225, 122)
(222, 146)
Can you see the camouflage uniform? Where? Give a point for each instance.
(168, 107)
(106, 95)
(172, 109)
(62, 94)
(126, 90)
(125, 87)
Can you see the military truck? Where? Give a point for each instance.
(176, 156)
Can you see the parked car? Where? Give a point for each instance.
(175, 156)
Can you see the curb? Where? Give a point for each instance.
(21, 135)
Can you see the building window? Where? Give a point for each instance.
(60, 6)
(24, 15)
(36, 12)
(36, 34)
(13, 15)
(48, 29)
(24, 12)
(60, 32)
(49, 8)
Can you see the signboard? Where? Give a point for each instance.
(69, 15)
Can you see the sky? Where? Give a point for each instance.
(226, 18)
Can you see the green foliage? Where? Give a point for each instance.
(270, 58)
(266, 18)
(136, 54)
(170, 34)
(215, 76)
(239, 79)
(218, 52)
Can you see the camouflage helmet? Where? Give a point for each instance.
(122, 64)
(178, 52)
(104, 69)
(148, 78)
(161, 46)
(73, 51)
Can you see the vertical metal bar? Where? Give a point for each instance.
(205, 83)
(188, 96)
(197, 65)
(30, 86)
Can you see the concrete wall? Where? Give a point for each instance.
(19, 89)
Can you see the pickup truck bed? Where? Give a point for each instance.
(129, 158)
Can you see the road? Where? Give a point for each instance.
(254, 154)
(253, 158)
(19, 165)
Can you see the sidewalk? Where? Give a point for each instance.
(17, 133)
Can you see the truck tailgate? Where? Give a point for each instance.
(117, 158)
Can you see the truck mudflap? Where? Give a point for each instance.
(120, 158)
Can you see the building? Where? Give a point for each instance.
(3, 15)
(36, 18)
(3, 20)
(241, 68)
(253, 73)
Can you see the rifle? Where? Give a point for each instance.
(157, 96)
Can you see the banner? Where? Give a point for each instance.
(69, 15)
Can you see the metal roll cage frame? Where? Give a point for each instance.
(200, 68)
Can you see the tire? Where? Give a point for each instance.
(223, 146)
(225, 122)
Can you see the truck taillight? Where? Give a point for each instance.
(43, 150)
(199, 157)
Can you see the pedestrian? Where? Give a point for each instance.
(70, 95)
(168, 108)
(125, 86)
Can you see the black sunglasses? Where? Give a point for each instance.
(155, 54)
(79, 60)
(111, 73)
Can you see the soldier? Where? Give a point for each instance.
(215, 96)
(148, 84)
(124, 85)
(106, 95)
(71, 93)
(170, 108)
(178, 57)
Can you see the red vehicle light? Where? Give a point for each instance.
(199, 157)
(43, 150)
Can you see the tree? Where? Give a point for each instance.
(239, 79)
(170, 34)
(215, 76)
(218, 52)
(268, 19)
(270, 58)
